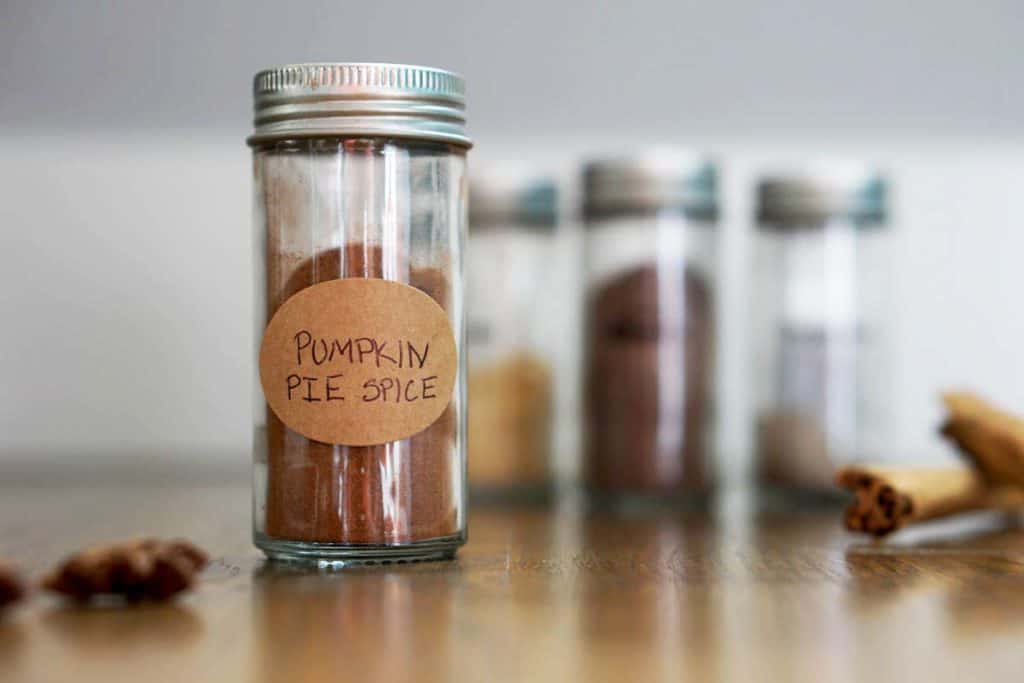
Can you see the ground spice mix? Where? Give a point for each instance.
(392, 493)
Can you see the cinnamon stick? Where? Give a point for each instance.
(890, 498)
(991, 439)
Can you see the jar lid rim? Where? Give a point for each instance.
(657, 179)
(812, 195)
(359, 99)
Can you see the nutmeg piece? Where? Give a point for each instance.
(138, 569)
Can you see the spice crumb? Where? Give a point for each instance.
(12, 587)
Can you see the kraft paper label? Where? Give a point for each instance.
(358, 361)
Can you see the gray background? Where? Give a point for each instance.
(535, 66)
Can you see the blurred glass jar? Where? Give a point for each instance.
(821, 282)
(649, 333)
(513, 217)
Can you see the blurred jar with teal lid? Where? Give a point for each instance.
(513, 217)
(821, 323)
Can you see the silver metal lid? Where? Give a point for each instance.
(814, 195)
(651, 182)
(510, 193)
(356, 99)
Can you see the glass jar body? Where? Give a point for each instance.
(359, 208)
(820, 349)
(649, 354)
(510, 361)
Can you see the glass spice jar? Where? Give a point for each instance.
(650, 245)
(819, 324)
(359, 215)
(512, 217)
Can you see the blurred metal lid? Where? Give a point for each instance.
(357, 99)
(814, 195)
(512, 194)
(651, 182)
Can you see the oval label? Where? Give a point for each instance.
(358, 361)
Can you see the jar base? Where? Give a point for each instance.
(775, 495)
(341, 554)
(630, 501)
(512, 494)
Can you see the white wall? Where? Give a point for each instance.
(126, 292)
(127, 289)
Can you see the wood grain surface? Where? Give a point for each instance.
(538, 594)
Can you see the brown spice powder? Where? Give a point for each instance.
(793, 452)
(510, 425)
(394, 493)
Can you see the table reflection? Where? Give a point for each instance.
(646, 611)
(383, 623)
(597, 595)
(94, 630)
(12, 644)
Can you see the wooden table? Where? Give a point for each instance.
(536, 595)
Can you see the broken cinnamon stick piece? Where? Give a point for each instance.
(890, 498)
(992, 439)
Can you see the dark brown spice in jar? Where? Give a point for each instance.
(648, 382)
(393, 493)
